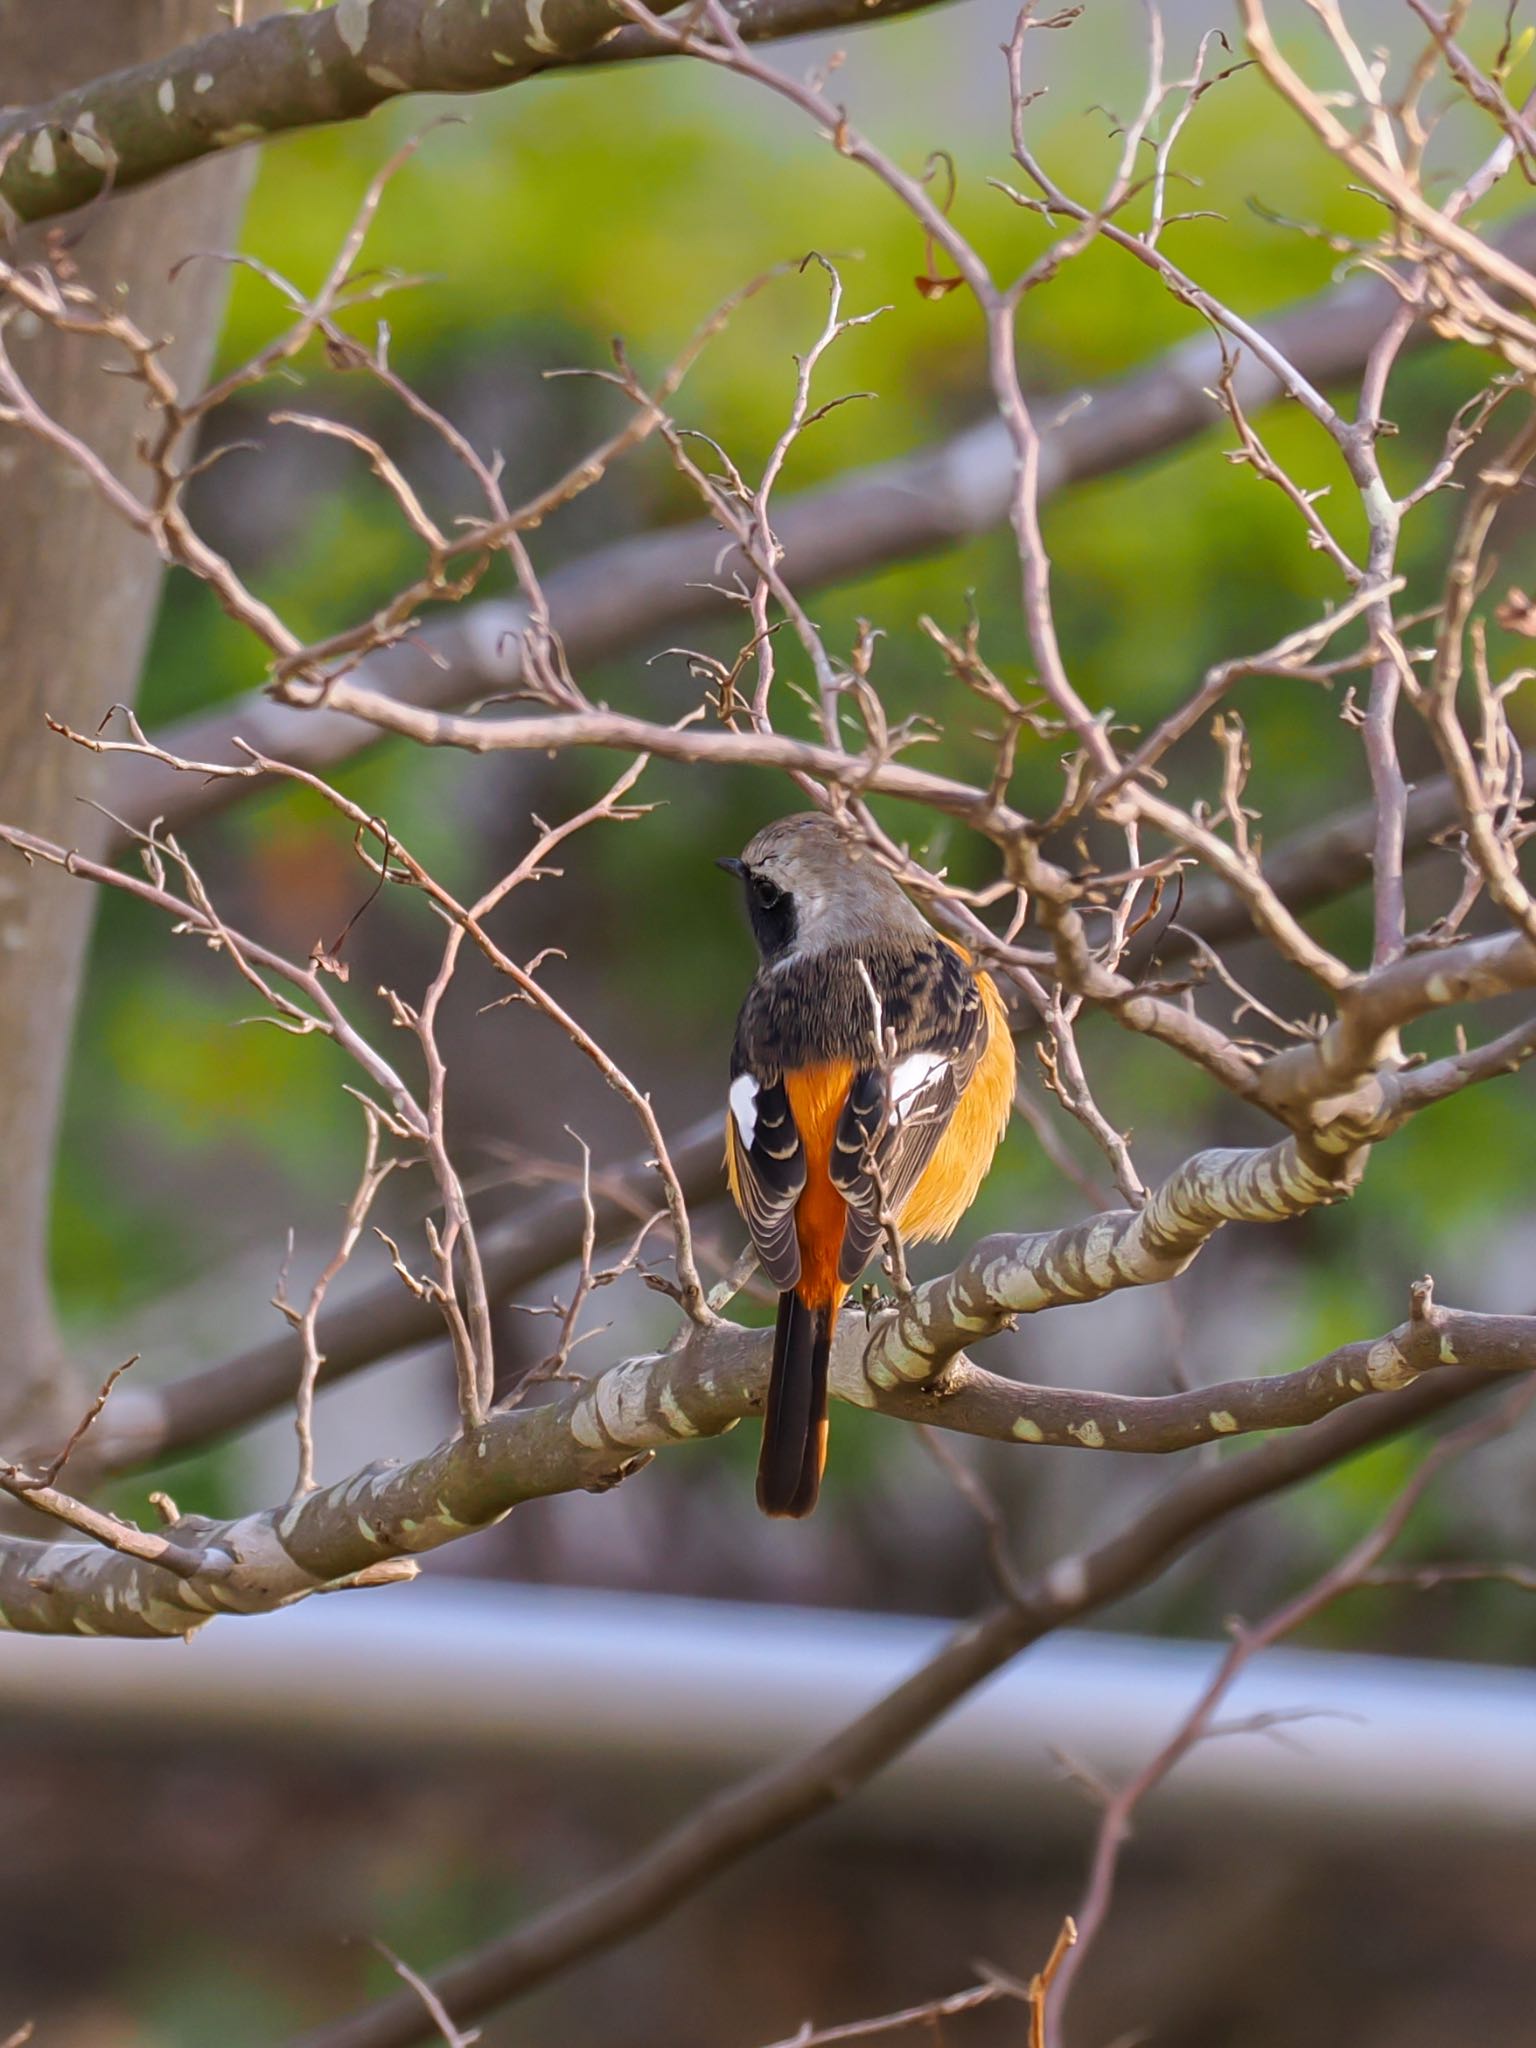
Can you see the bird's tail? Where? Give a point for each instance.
(795, 1419)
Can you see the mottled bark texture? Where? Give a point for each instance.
(357, 1531)
(159, 106)
(919, 1345)
(77, 596)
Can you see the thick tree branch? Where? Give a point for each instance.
(149, 1424)
(363, 1526)
(1000, 1278)
(765, 21)
(293, 71)
(1006, 1276)
(1363, 1037)
(335, 63)
(976, 1403)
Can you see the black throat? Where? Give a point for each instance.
(773, 917)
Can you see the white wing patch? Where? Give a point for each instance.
(909, 1077)
(743, 1100)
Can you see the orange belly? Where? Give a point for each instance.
(960, 1164)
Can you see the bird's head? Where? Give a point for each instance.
(809, 885)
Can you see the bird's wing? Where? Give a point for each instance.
(893, 1120)
(767, 1170)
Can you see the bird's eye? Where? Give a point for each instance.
(766, 894)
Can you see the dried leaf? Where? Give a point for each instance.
(1516, 613)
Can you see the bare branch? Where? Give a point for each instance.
(787, 1794)
(160, 1422)
(1356, 1569)
(433, 2005)
(647, 586)
(929, 2016)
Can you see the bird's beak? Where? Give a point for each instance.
(732, 865)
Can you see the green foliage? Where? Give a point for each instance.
(546, 221)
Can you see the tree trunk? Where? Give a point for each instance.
(77, 599)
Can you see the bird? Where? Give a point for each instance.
(871, 1077)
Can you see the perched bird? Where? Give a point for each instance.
(872, 1077)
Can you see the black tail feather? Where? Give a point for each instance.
(795, 1419)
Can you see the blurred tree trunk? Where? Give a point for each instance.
(77, 599)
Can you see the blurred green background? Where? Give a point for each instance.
(629, 203)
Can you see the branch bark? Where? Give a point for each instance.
(1318, 865)
(766, 21)
(144, 1425)
(336, 63)
(623, 595)
(913, 1366)
(360, 1529)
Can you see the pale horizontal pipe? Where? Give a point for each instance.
(711, 1688)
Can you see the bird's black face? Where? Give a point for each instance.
(771, 909)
